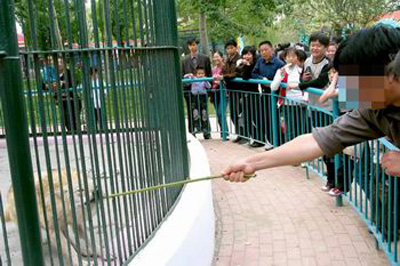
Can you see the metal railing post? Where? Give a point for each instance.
(336, 113)
(222, 108)
(17, 139)
(274, 115)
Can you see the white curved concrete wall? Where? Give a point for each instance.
(187, 236)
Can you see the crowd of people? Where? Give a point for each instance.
(373, 70)
(323, 67)
(249, 113)
(250, 105)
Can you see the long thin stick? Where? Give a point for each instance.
(168, 185)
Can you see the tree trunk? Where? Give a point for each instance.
(58, 40)
(203, 34)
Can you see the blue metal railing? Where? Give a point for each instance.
(365, 186)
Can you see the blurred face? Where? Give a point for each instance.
(217, 59)
(331, 51)
(44, 61)
(231, 50)
(248, 57)
(193, 48)
(361, 92)
(317, 49)
(200, 73)
(60, 64)
(372, 92)
(266, 51)
(291, 58)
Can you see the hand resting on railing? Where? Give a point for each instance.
(332, 91)
(391, 163)
(329, 93)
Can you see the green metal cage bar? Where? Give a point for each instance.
(93, 84)
(17, 140)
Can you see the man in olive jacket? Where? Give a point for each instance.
(232, 56)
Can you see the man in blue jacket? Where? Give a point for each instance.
(265, 68)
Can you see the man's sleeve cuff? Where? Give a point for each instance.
(328, 145)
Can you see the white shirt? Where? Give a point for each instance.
(315, 71)
(96, 88)
(294, 73)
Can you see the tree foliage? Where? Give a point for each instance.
(123, 16)
(280, 21)
(63, 13)
(312, 15)
(228, 18)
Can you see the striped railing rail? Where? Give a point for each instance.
(373, 193)
(69, 150)
(253, 115)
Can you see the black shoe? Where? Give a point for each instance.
(237, 140)
(256, 144)
(207, 136)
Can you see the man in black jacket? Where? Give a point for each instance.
(189, 64)
(66, 98)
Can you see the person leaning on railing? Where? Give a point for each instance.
(189, 64)
(266, 66)
(293, 108)
(316, 75)
(216, 96)
(247, 108)
(379, 115)
(229, 73)
(199, 100)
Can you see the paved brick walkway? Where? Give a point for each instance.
(281, 218)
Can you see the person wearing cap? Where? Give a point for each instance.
(190, 63)
(368, 69)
